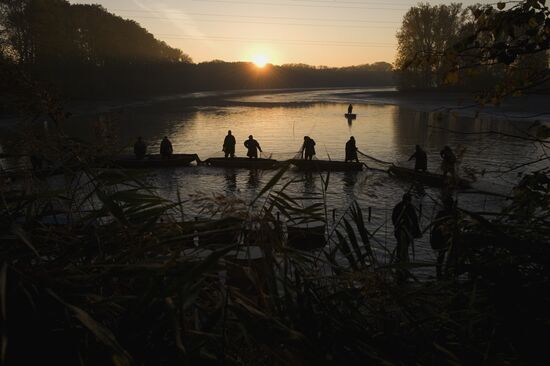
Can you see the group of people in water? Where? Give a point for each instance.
(140, 148)
(407, 228)
(447, 164)
(404, 216)
(251, 145)
(307, 151)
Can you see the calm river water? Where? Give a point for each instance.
(279, 122)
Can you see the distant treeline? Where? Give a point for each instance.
(83, 51)
(121, 79)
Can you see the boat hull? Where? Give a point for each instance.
(155, 161)
(326, 165)
(430, 179)
(242, 163)
(350, 115)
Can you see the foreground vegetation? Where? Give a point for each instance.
(101, 270)
(121, 279)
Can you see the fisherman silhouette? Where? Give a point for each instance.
(308, 148)
(441, 235)
(351, 150)
(449, 160)
(253, 146)
(166, 149)
(405, 223)
(140, 148)
(350, 109)
(421, 159)
(229, 145)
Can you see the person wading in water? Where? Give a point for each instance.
(421, 159)
(406, 228)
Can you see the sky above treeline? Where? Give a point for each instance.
(315, 32)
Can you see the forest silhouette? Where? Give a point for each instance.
(84, 51)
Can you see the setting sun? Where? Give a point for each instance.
(259, 60)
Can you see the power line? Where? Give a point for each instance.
(272, 23)
(298, 5)
(258, 17)
(290, 42)
(285, 40)
(354, 2)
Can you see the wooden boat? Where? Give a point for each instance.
(16, 174)
(428, 178)
(350, 115)
(155, 161)
(245, 163)
(328, 165)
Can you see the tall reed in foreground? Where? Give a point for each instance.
(122, 281)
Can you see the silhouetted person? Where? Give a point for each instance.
(229, 145)
(166, 149)
(253, 146)
(350, 109)
(308, 148)
(140, 148)
(351, 150)
(421, 159)
(442, 233)
(449, 160)
(405, 224)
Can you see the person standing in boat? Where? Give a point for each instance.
(351, 150)
(350, 109)
(253, 146)
(421, 159)
(229, 145)
(449, 160)
(140, 148)
(166, 149)
(406, 228)
(308, 148)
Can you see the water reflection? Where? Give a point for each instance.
(230, 180)
(309, 182)
(386, 132)
(349, 180)
(253, 179)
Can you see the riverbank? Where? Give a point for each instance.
(528, 107)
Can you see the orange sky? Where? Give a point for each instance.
(315, 32)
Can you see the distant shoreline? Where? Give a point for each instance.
(528, 107)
